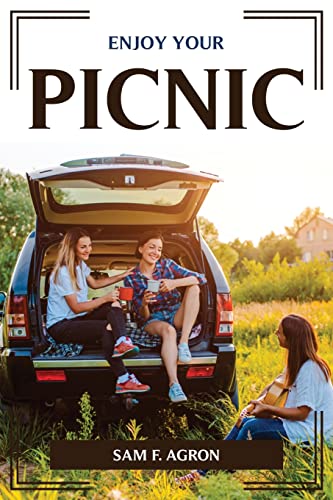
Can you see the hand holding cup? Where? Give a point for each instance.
(112, 296)
(148, 298)
(153, 286)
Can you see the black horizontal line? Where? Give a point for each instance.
(50, 489)
(300, 488)
(282, 482)
(53, 482)
(53, 17)
(51, 11)
(279, 17)
(284, 11)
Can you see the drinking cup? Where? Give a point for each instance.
(153, 286)
(125, 293)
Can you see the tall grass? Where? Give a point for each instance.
(259, 359)
(262, 319)
(30, 432)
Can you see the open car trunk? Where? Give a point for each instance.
(115, 199)
(112, 257)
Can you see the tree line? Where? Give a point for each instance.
(17, 219)
(234, 254)
(242, 261)
(272, 270)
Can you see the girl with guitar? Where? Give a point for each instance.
(307, 379)
(307, 388)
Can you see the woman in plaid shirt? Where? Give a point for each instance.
(165, 312)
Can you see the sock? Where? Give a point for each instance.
(123, 378)
(120, 340)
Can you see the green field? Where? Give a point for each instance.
(259, 360)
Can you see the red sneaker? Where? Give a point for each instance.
(125, 348)
(191, 477)
(131, 385)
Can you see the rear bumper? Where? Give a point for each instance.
(91, 372)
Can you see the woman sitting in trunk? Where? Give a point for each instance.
(71, 317)
(163, 312)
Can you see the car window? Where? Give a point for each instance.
(94, 195)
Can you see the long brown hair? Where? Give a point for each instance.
(67, 254)
(302, 345)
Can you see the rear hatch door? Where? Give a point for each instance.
(118, 191)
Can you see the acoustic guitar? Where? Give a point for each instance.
(276, 395)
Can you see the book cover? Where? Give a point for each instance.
(240, 90)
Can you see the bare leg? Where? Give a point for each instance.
(169, 351)
(187, 313)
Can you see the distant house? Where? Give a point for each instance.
(316, 237)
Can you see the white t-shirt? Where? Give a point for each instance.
(57, 307)
(310, 389)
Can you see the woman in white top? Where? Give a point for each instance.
(307, 378)
(71, 317)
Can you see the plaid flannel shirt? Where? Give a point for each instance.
(164, 269)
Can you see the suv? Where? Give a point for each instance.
(115, 199)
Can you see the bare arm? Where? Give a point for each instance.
(102, 282)
(166, 284)
(90, 305)
(262, 410)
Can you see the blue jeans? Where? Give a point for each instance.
(258, 428)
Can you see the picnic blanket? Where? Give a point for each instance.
(55, 350)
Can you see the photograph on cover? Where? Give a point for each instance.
(167, 246)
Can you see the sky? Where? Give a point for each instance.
(269, 175)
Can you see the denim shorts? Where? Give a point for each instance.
(167, 315)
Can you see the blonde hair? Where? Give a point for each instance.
(67, 255)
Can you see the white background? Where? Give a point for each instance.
(270, 176)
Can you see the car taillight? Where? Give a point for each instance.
(224, 315)
(51, 376)
(200, 371)
(17, 317)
